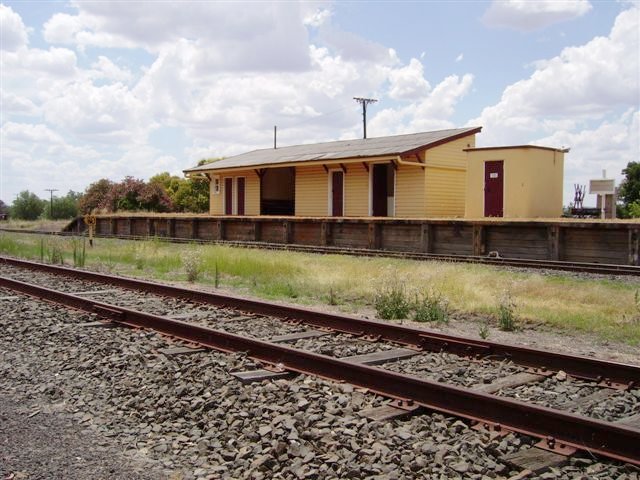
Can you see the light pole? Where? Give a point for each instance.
(51, 190)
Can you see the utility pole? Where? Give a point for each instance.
(364, 102)
(51, 190)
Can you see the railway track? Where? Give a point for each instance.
(581, 267)
(489, 403)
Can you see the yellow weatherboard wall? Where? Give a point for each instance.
(532, 176)
(409, 192)
(356, 191)
(312, 192)
(445, 178)
(251, 193)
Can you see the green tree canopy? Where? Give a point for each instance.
(186, 194)
(630, 187)
(27, 206)
(63, 207)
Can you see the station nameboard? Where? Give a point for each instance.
(602, 187)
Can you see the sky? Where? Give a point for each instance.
(106, 89)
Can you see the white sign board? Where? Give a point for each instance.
(602, 187)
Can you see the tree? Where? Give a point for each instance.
(27, 206)
(192, 196)
(95, 195)
(135, 194)
(187, 195)
(169, 182)
(64, 207)
(629, 191)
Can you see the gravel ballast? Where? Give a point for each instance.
(185, 417)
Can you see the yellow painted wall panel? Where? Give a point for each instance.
(533, 182)
(445, 192)
(311, 192)
(215, 200)
(356, 201)
(445, 178)
(451, 154)
(410, 192)
(251, 194)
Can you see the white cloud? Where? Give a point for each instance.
(574, 100)
(608, 146)
(34, 157)
(408, 83)
(529, 15)
(352, 47)
(55, 62)
(13, 33)
(10, 103)
(460, 57)
(266, 36)
(431, 113)
(317, 17)
(110, 113)
(105, 68)
(582, 82)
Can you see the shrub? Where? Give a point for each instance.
(432, 307)
(392, 302)
(507, 321)
(192, 264)
(484, 330)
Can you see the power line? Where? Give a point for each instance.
(364, 102)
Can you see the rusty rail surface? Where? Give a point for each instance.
(581, 267)
(608, 373)
(607, 439)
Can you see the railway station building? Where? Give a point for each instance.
(420, 175)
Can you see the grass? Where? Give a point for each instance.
(44, 225)
(604, 307)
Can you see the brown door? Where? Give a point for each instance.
(493, 188)
(379, 190)
(337, 190)
(228, 196)
(240, 188)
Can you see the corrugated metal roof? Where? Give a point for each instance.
(360, 148)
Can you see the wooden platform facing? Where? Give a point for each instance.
(612, 242)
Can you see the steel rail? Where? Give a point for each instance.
(607, 372)
(595, 436)
(581, 267)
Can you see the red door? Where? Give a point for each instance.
(493, 188)
(240, 195)
(337, 200)
(228, 196)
